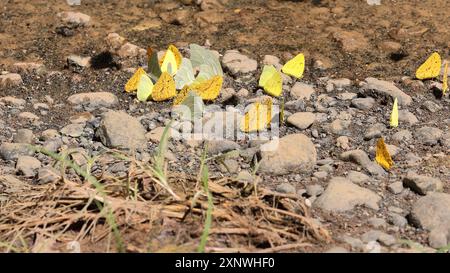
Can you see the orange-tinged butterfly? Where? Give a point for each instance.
(383, 158)
(208, 89)
(445, 79)
(258, 118)
(181, 95)
(164, 88)
(430, 68)
(133, 82)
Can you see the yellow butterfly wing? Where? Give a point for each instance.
(144, 88)
(271, 81)
(383, 158)
(133, 82)
(430, 68)
(295, 67)
(181, 95)
(164, 88)
(258, 118)
(209, 89)
(267, 73)
(169, 60)
(394, 115)
(445, 79)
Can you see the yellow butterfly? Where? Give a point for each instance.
(295, 67)
(164, 88)
(394, 114)
(271, 81)
(209, 89)
(445, 79)
(172, 58)
(383, 157)
(430, 68)
(144, 88)
(181, 95)
(133, 82)
(258, 117)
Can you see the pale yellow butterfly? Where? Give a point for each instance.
(394, 114)
(295, 67)
(430, 68)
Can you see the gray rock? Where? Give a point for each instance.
(377, 222)
(302, 91)
(245, 176)
(346, 96)
(24, 136)
(432, 211)
(74, 18)
(339, 84)
(10, 79)
(431, 106)
(285, 188)
(27, 165)
(428, 135)
(11, 151)
(321, 175)
(49, 134)
(337, 249)
(48, 175)
(396, 187)
(120, 130)
(363, 103)
(292, 153)
(271, 60)
(422, 184)
(78, 61)
(361, 158)
(402, 135)
(314, 190)
(302, 120)
(73, 130)
(340, 127)
(374, 131)
(387, 88)
(295, 105)
(94, 100)
(376, 235)
(357, 177)
(221, 146)
(404, 116)
(12, 102)
(355, 243)
(53, 144)
(237, 63)
(397, 220)
(342, 195)
(439, 237)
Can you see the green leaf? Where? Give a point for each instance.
(144, 88)
(185, 74)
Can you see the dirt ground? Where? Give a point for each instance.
(398, 36)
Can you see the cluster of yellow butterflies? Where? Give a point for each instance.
(431, 68)
(259, 116)
(174, 72)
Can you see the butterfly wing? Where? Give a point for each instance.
(295, 67)
(144, 88)
(267, 73)
(164, 88)
(154, 69)
(202, 56)
(394, 115)
(430, 68)
(274, 85)
(185, 75)
(445, 79)
(383, 158)
(169, 63)
(209, 89)
(132, 83)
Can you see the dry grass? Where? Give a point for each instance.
(157, 212)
